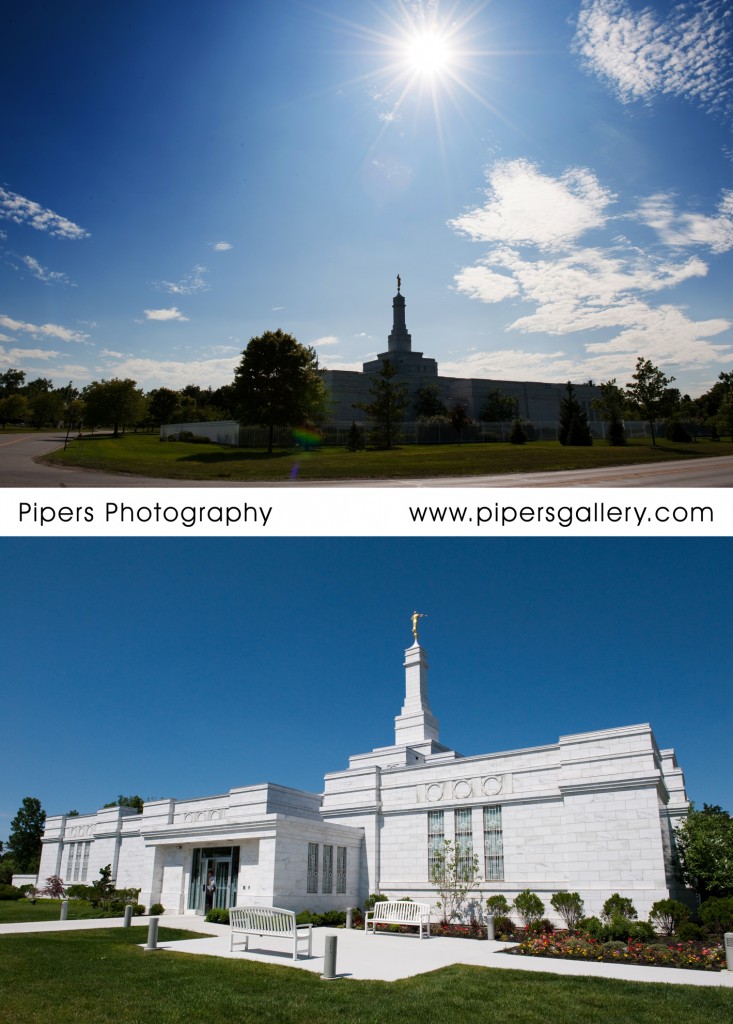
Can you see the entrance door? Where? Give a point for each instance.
(223, 864)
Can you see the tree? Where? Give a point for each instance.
(667, 915)
(612, 406)
(429, 404)
(569, 906)
(162, 403)
(112, 402)
(277, 383)
(646, 390)
(14, 408)
(574, 428)
(388, 405)
(454, 873)
(26, 831)
(11, 381)
(618, 906)
(529, 907)
(499, 407)
(54, 888)
(459, 419)
(128, 801)
(724, 418)
(704, 843)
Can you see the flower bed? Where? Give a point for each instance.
(696, 956)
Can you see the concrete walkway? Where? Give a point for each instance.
(382, 957)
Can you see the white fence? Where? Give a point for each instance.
(220, 431)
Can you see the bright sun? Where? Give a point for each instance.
(428, 53)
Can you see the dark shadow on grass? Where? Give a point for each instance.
(231, 458)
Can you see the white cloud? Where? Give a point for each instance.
(42, 273)
(18, 355)
(20, 210)
(524, 206)
(480, 282)
(189, 283)
(154, 373)
(329, 339)
(165, 314)
(221, 246)
(640, 55)
(686, 229)
(47, 330)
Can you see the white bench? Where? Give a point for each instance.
(270, 921)
(399, 912)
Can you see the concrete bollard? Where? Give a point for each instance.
(64, 910)
(128, 916)
(728, 943)
(490, 928)
(349, 917)
(329, 962)
(152, 934)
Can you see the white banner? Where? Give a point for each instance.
(363, 511)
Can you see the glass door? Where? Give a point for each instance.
(213, 878)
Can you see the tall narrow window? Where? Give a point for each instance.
(70, 864)
(312, 884)
(464, 844)
(327, 869)
(85, 861)
(493, 844)
(436, 835)
(340, 869)
(77, 860)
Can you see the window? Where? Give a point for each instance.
(77, 862)
(327, 869)
(436, 835)
(464, 844)
(340, 869)
(312, 884)
(493, 844)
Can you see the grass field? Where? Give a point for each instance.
(103, 977)
(145, 455)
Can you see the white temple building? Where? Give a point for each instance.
(592, 812)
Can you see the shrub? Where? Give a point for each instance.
(689, 932)
(355, 438)
(667, 915)
(570, 908)
(608, 947)
(518, 435)
(28, 890)
(504, 928)
(529, 907)
(540, 927)
(616, 434)
(621, 906)
(156, 909)
(641, 931)
(618, 928)
(717, 914)
(676, 431)
(10, 892)
(498, 906)
(54, 888)
(592, 927)
(218, 915)
(80, 892)
(373, 898)
(138, 909)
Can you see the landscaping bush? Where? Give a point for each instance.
(504, 928)
(641, 931)
(518, 434)
(156, 909)
(540, 927)
(498, 906)
(80, 892)
(676, 431)
(717, 914)
(591, 926)
(618, 928)
(529, 907)
(690, 955)
(10, 892)
(373, 898)
(570, 908)
(138, 909)
(667, 915)
(54, 888)
(620, 906)
(689, 932)
(329, 919)
(218, 915)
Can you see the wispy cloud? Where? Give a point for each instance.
(221, 246)
(329, 339)
(42, 330)
(189, 283)
(13, 356)
(527, 207)
(568, 288)
(640, 55)
(165, 314)
(20, 210)
(39, 271)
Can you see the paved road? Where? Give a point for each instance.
(18, 468)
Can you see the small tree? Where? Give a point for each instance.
(498, 905)
(618, 906)
(387, 409)
(26, 831)
(611, 406)
(54, 888)
(667, 915)
(529, 907)
(459, 419)
(518, 434)
(574, 429)
(647, 390)
(569, 906)
(717, 914)
(103, 890)
(454, 873)
(704, 847)
(355, 439)
(499, 407)
(128, 801)
(428, 403)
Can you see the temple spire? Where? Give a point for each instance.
(399, 340)
(416, 722)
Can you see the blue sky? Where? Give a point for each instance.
(551, 179)
(186, 668)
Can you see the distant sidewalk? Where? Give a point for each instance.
(382, 957)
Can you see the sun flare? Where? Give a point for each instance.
(428, 53)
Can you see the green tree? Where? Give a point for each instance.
(704, 844)
(498, 905)
(724, 417)
(128, 801)
(574, 428)
(618, 906)
(459, 419)
(386, 411)
(612, 406)
(569, 906)
(26, 831)
(429, 404)
(499, 407)
(529, 907)
(667, 915)
(277, 383)
(454, 873)
(114, 403)
(14, 408)
(11, 382)
(647, 390)
(162, 404)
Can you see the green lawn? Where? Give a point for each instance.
(103, 977)
(144, 454)
(16, 911)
